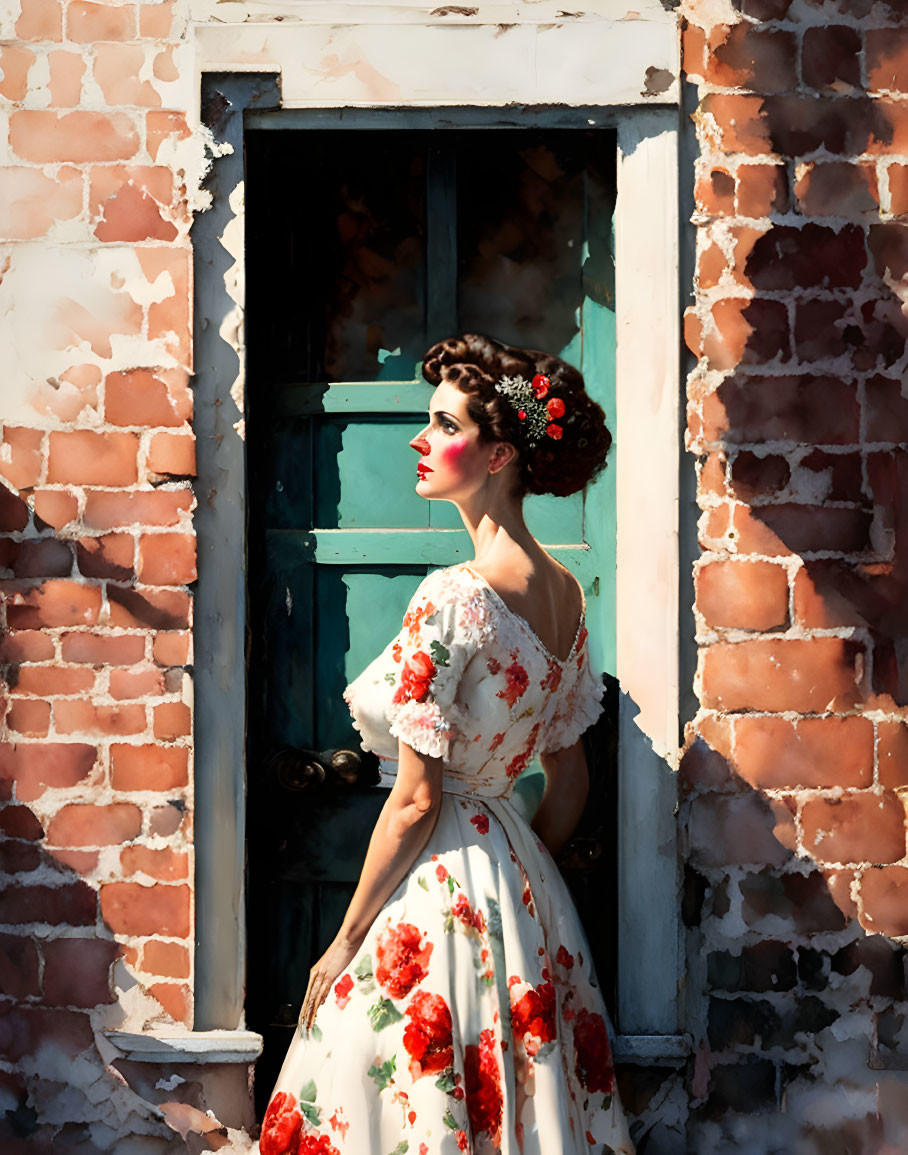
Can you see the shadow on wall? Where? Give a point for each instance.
(64, 980)
(796, 885)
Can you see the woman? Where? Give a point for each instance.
(457, 1009)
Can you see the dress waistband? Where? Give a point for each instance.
(449, 785)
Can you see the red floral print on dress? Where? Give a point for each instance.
(496, 742)
(564, 958)
(427, 1037)
(481, 822)
(463, 1143)
(396, 651)
(516, 682)
(413, 617)
(493, 665)
(415, 679)
(592, 1053)
(520, 761)
(402, 959)
(281, 1126)
(338, 1123)
(313, 1143)
(552, 680)
(532, 1013)
(483, 1087)
(342, 990)
(462, 910)
(441, 873)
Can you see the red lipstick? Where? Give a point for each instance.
(422, 470)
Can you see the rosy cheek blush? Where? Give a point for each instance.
(454, 451)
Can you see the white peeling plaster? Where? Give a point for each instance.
(232, 326)
(104, 284)
(10, 11)
(38, 95)
(709, 12)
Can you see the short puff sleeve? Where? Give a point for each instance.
(579, 705)
(443, 628)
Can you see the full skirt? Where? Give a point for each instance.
(470, 1019)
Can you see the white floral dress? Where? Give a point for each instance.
(470, 1019)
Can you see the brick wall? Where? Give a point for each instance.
(96, 551)
(795, 771)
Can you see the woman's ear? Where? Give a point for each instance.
(503, 454)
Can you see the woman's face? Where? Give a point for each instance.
(453, 460)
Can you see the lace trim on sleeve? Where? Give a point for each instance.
(423, 726)
(580, 709)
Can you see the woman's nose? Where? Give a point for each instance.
(420, 444)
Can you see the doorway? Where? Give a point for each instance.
(364, 246)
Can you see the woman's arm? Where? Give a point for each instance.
(567, 784)
(404, 825)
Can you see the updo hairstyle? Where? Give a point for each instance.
(474, 364)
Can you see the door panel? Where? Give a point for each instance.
(380, 244)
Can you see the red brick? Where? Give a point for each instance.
(167, 558)
(734, 123)
(864, 827)
(844, 126)
(821, 598)
(103, 650)
(886, 410)
(711, 264)
(174, 999)
(165, 958)
(55, 507)
(166, 865)
(892, 752)
(145, 507)
(693, 50)
(136, 683)
(25, 1030)
(54, 603)
(703, 768)
(172, 720)
(164, 126)
(20, 822)
(25, 646)
(169, 319)
(47, 558)
(20, 449)
(172, 454)
(749, 56)
(756, 475)
(87, 22)
(87, 825)
(80, 717)
(800, 409)
(839, 474)
(764, 9)
(29, 717)
(110, 556)
(805, 529)
(172, 649)
(810, 257)
(117, 72)
(166, 820)
(147, 397)
(77, 971)
(133, 909)
(838, 190)
(840, 883)
(898, 189)
(761, 189)
(831, 57)
(799, 900)
(775, 754)
(128, 199)
(46, 137)
(13, 511)
(66, 72)
(743, 595)
(35, 766)
(75, 904)
(18, 967)
(82, 862)
(747, 332)
(152, 607)
(693, 333)
(884, 901)
(15, 62)
(33, 203)
(712, 475)
(40, 20)
(887, 60)
(87, 458)
(808, 676)
(155, 20)
(736, 830)
(149, 767)
(715, 192)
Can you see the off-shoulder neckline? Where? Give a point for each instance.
(526, 625)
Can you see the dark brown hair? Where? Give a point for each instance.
(474, 364)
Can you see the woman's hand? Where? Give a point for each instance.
(333, 962)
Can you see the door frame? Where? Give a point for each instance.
(647, 461)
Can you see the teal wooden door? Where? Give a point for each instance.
(387, 242)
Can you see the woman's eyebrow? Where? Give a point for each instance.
(443, 413)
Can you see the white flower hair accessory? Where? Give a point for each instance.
(538, 417)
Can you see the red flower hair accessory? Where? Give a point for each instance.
(538, 418)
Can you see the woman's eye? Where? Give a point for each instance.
(448, 427)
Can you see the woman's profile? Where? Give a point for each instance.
(457, 1008)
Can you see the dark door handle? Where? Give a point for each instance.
(297, 770)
